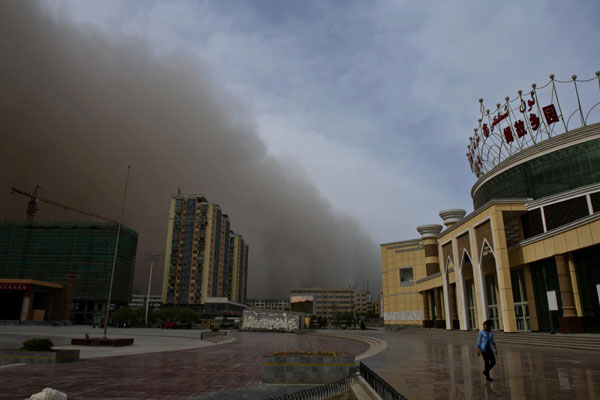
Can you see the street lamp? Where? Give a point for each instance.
(151, 257)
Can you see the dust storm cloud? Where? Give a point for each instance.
(78, 105)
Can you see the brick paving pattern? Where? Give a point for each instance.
(165, 375)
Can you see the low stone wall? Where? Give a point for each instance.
(102, 342)
(305, 369)
(272, 320)
(38, 357)
(206, 335)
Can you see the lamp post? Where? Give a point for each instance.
(151, 257)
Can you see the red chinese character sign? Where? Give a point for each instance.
(529, 118)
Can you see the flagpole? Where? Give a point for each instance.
(112, 274)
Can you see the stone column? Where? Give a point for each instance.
(569, 322)
(439, 320)
(26, 305)
(453, 311)
(430, 234)
(426, 316)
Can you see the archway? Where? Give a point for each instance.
(490, 285)
(468, 292)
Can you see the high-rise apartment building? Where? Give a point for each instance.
(237, 268)
(202, 254)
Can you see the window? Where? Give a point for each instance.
(406, 276)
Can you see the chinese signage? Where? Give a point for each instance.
(527, 119)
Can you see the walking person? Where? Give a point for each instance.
(485, 341)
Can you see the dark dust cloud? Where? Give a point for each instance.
(77, 106)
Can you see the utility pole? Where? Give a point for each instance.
(152, 257)
(112, 274)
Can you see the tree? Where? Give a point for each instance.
(127, 315)
(187, 315)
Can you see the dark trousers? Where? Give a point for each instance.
(489, 360)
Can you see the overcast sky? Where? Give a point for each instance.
(375, 100)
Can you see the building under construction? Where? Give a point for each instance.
(50, 254)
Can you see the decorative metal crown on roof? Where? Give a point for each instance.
(531, 118)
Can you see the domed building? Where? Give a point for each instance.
(528, 256)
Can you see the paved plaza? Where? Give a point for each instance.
(421, 366)
(175, 364)
(162, 375)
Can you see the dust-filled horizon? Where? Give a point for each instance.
(78, 105)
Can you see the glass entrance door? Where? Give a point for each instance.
(517, 277)
(492, 300)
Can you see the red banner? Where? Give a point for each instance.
(15, 286)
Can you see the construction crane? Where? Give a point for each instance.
(34, 199)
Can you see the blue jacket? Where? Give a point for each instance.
(483, 338)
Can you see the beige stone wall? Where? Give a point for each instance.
(402, 304)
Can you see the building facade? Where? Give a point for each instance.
(527, 257)
(269, 304)
(204, 258)
(327, 302)
(55, 252)
(237, 268)
(139, 301)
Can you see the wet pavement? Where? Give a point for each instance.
(165, 375)
(424, 367)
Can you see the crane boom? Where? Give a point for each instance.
(31, 209)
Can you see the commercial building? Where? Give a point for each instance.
(204, 258)
(528, 256)
(269, 304)
(52, 253)
(139, 301)
(327, 302)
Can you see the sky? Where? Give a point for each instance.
(374, 100)
(367, 104)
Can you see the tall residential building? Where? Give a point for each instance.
(237, 268)
(198, 259)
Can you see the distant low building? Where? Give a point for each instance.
(139, 301)
(215, 307)
(269, 304)
(327, 302)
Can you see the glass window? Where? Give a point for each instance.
(406, 276)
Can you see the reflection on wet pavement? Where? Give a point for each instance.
(422, 367)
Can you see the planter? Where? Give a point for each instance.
(305, 369)
(38, 357)
(102, 342)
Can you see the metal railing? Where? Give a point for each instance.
(322, 391)
(383, 389)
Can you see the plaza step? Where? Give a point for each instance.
(586, 342)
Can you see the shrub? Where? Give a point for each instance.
(38, 345)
